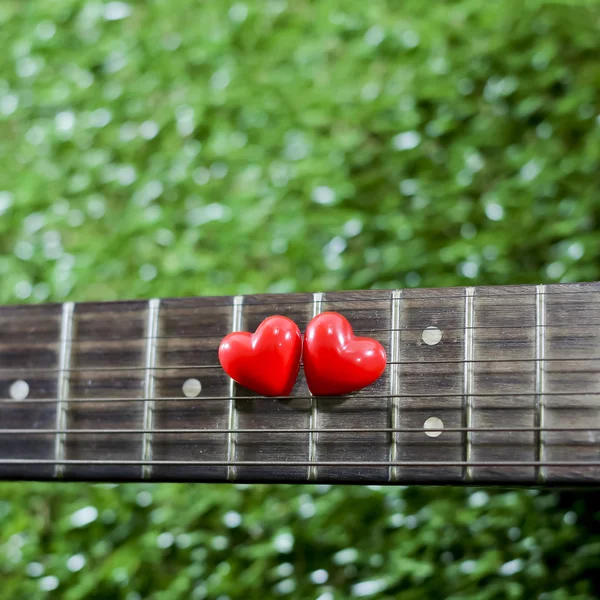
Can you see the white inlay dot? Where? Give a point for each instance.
(19, 390)
(434, 427)
(431, 335)
(191, 388)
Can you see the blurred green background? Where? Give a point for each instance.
(179, 147)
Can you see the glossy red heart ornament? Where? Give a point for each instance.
(266, 361)
(335, 360)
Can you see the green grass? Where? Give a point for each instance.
(169, 148)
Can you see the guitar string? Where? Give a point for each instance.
(102, 401)
(14, 369)
(354, 463)
(384, 301)
(4, 339)
(279, 300)
(297, 463)
(202, 399)
(288, 430)
(399, 362)
(271, 304)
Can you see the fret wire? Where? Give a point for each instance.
(233, 417)
(297, 463)
(468, 379)
(195, 431)
(361, 331)
(540, 355)
(317, 308)
(284, 398)
(217, 366)
(149, 384)
(62, 386)
(394, 379)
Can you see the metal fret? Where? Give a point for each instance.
(394, 379)
(468, 378)
(62, 387)
(314, 406)
(233, 418)
(149, 384)
(540, 353)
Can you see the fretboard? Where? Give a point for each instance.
(497, 385)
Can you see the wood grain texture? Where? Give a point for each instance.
(425, 373)
(504, 337)
(370, 407)
(508, 357)
(105, 344)
(190, 330)
(29, 350)
(572, 339)
(269, 413)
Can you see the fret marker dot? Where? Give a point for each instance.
(434, 425)
(431, 335)
(191, 388)
(19, 390)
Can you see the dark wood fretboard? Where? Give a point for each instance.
(496, 385)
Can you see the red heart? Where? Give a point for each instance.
(335, 360)
(266, 361)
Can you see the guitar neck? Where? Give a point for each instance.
(495, 385)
